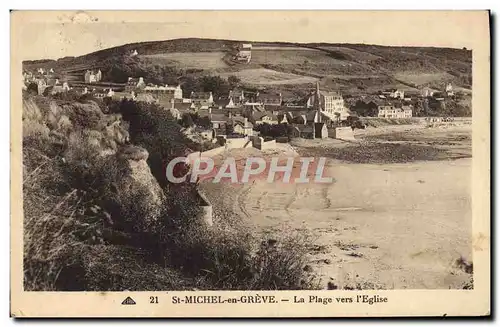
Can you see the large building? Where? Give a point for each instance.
(92, 76)
(164, 94)
(393, 112)
(331, 104)
(244, 52)
(134, 84)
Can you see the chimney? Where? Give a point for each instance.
(229, 114)
(141, 80)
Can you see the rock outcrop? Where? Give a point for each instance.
(140, 195)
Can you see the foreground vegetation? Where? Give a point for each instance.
(100, 216)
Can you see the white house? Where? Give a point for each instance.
(393, 112)
(92, 76)
(449, 90)
(331, 104)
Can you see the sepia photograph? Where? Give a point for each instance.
(198, 153)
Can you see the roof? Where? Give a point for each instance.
(218, 118)
(241, 120)
(203, 113)
(201, 95)
(259, 115)
(220, 111)
(182, 106)
(270, 98)
(304, 128)
(236, 93)
(222, 101)
(155, 88)
(254, 107)
(291, 108)
(311, 115)
(330, 93)
(145, 97)
(132, 81)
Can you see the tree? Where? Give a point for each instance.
(187, 120)
(233, 81)
(32, 89)
(215, 84)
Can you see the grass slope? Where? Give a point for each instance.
(408, 67)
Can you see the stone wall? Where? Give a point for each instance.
(258, 143)
(341, 133)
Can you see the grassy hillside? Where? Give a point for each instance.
(99, 214)
(353, 68)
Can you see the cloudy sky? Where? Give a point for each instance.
(57, 34)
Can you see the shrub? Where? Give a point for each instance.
(56, 229)
(119, 268)
(279, 265)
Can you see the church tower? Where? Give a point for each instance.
(317, 101)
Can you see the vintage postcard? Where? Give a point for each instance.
(250, 163)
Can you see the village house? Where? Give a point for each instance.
(393, 112)
(303, 131)
(183, 106)
(242, 126)
(244, 53)
(398, 94)
(253, 107)
(449, 90)
(306, 117)
(410, 95)
(224, 102)
(265, 118)
(28, 77)
(134, 53)
(207, 134)
(134, 84)
(393, 93)
(219, 122)
(92, 76)
(110, 93)
(201, 100)
(282, 118)
(59, 88)
(175, 113)
(331, 104)
(237, 96)
(164, 94)
(427, 92)
(173, 92)
(270, 101)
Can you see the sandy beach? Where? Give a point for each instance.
(382, 225)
